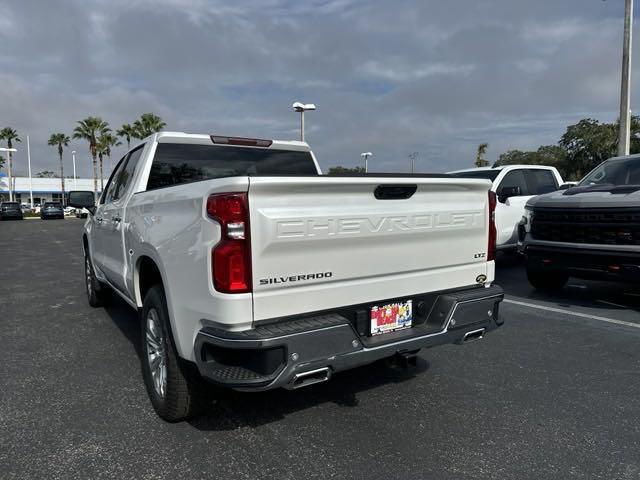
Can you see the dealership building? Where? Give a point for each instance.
(42, 189)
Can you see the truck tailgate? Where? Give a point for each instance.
(325, 242)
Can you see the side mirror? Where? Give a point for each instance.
(82, 199)
(566, 186)
(508, 192)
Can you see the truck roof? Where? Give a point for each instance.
(205, 138)
(502, 167)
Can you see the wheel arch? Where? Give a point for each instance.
(146, 274)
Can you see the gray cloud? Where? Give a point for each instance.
(389, 77)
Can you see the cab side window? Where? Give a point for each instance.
(541, 182)
(126, 175)
(107, 194)
(514, 178)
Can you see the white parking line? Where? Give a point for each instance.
(612, 304)
(575, 314)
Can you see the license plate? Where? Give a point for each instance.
(391, 317)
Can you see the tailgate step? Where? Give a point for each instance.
(283, 327)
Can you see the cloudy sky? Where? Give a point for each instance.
(391, 77)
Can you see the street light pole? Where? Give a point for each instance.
(73, 156)
(366, 156)
(413, 156)
(301, 108)
(29, 163)
(624, 139)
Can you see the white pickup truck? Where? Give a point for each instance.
(253, 271)
(514, 186)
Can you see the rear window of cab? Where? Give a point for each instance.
(178, 163)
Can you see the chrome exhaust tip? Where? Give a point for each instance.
(473, 335)
(311, 377)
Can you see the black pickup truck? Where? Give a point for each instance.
(590, 230)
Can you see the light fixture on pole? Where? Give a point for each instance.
(366, 156)
(7, 150)
(73, 156)
(301, 108)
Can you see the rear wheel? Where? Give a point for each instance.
(176, 391)
(97, 292)
(546, 280)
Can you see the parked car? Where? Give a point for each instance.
(51, 210)
(10, 211)
(26, 208)
(69, 210)
(81, 212)
(253, 271)
(514, 185)
(590, 230)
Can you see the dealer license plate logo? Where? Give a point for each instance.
(391, 317)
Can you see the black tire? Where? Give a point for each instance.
(179, 392)
(547, 280)
(97, 292)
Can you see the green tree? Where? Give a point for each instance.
(90, 129)
(10, 135)
(127, 132)
(2, 162)
(148, 124)
(105, 142)
(482, 150)
(338, 170)
(60, 140)
(587, 144)
(552, 155)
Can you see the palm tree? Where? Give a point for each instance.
(148, 125)
(60, 140)
(10, 135)
(127, 132)
(90, 129)
(105, 142)
(482, 150)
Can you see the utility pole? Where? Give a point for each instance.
(624, 139)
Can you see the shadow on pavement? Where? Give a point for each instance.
(231, 410)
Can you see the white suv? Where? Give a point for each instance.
(514, 185)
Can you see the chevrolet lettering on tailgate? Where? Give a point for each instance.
(327, 227)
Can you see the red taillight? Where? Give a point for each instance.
(491, 248)
(231, 257)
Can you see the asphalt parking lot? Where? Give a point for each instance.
(553, 394)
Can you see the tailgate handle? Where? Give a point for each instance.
(394, 192)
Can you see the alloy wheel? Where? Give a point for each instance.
(156, 354)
